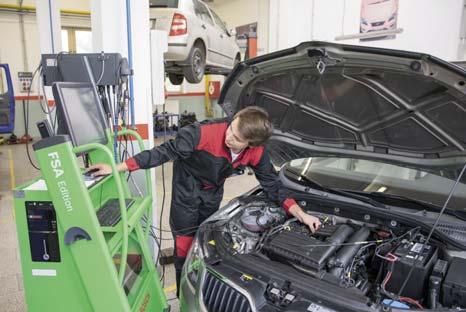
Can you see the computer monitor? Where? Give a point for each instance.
(79, 112)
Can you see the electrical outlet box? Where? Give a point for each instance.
(25, 81)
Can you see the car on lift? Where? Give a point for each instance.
(198, 40)
(370, 140)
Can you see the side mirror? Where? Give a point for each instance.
(232, 32)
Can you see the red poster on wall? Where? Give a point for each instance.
(214, 89)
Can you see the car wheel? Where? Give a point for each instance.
(175, 79)
(196, 68)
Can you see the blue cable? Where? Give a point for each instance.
(130, 60)
(51, 26)
(115, 130)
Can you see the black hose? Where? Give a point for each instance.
(346, 254)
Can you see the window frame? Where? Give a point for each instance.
(72, 36)
(219, 22)
(197, 5)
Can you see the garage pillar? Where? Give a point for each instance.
(110, 33)
(49, 26)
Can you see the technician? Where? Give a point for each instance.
(204, 155)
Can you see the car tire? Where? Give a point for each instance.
(175, 79)
(194, 72)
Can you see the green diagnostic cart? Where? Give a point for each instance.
(83, 240)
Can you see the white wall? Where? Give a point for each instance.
(429, 26)
(82, 5)
(241, 12)
(11, 50)
(289, 24)
(64, 4)
(11, 47)
(237, 12)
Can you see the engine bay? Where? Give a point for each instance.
(394, 268)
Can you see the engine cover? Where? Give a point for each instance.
(312, 251)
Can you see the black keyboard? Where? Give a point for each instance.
(109, 214)
(91, 179)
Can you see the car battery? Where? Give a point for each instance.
(418, 282)
(454, 284)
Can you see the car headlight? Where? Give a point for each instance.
(364, 21)
(392, 17)
(193, 262)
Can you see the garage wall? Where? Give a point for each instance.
(11, 47)
(241, 12)
(289, 24)
(177, 104)
(64, 4)
(190, 97)
(11, 51)
(429, 26)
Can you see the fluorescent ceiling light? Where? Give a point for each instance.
(372, 34)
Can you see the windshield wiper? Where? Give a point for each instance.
(309, 182)
(417, 203)
(316, 185)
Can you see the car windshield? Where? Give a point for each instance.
(371, 176)
(163, 3)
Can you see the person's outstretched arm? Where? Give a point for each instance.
(179, 148)
(268, 179)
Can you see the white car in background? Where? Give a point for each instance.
(198, 40)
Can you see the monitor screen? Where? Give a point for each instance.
(80, 112)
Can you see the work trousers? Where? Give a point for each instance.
(191, 204)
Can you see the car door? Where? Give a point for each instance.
(213, 44)
(227, 42)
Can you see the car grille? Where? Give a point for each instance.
(221, 297)
(377, 24)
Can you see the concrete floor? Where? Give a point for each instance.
(15, 168)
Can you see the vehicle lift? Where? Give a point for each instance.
(69, 261)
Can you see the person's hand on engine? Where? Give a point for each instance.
(312, 222)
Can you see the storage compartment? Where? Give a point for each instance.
(43, 236)
(454, 285)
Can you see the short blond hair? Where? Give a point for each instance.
(254, 125)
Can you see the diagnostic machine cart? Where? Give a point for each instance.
(84, 241)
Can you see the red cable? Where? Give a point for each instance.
(412, 301)
(392, 258)
(387, 278)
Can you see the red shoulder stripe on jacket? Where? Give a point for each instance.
(213, 139)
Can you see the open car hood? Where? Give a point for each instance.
(353, 101)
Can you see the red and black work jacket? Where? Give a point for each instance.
(201, 150)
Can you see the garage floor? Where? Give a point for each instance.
(15, 167)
